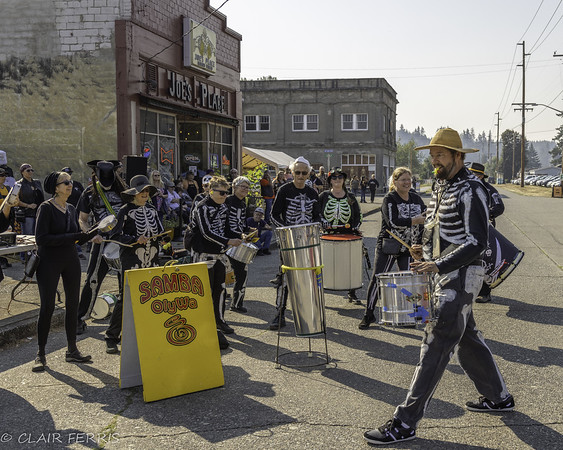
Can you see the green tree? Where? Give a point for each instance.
(406, 156)
(556, 151)
(532, 158)
(426, 169)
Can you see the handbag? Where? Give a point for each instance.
(390, 246)
(31, 264)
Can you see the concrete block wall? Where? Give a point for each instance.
(49, 28)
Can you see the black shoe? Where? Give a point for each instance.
(483, 298)
(81, 327)
(225, 328)
(393, 431)
(364, 324)
(267, 252)
(485, 405)
(76, 356)
(223, 343)
(276, 281)
(111, 347)
(352, 296)
(39, 364)
(275, 324)
(239, 309)
(260, 252)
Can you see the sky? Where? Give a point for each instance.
(452, 63)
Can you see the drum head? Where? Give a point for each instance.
(111, 251)
(103, 306)
(340, 237)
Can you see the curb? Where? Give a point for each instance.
(24, 325)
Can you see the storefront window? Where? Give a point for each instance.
(158, 142)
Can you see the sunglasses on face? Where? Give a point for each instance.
(66, 182)
(338, 177)
(220, 192)
(29, 170)
(298, 172)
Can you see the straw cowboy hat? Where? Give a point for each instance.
(447, 138)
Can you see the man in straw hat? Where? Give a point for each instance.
(496, 208)
(456, 233)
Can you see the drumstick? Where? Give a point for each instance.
(131, 245)
(400, 240)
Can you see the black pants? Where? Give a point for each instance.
(241, 275)
(217, 272)
(57, 262)
(94, 279)
(372, 195)
(383, 263)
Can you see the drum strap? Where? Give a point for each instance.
(104, 198)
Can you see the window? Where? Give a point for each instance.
(305, 122)
(354, 122)
(256, 123)
(158, 142)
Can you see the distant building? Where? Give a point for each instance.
(106, 79)
(546, 171)
(349, 123)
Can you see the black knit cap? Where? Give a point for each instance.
(50, 182)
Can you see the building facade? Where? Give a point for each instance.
(111, 79)
(348, 123)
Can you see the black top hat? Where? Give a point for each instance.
(477, 168)
(138, 184)
(105, 171)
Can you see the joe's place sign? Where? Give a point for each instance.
(195, 92)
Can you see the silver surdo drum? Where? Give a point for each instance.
(300, 248)
(111, 256)
(244, 253)
(342, 259)
(103, 306)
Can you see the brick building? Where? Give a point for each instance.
(92, 79)
(342, 122)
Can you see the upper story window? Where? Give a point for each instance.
(256, 123)
(353, 122)
(305, 122)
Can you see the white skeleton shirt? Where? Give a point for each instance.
(294, 206)
(132, 223)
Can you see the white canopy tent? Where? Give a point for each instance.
(252, 157)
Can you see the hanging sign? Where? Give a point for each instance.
(169, 338)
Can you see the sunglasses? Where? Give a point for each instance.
(66, 182)
(298, 172)
(220, 192)
(29, 170)
(338, 177)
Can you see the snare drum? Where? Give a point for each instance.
(111, 256)
(405, 298)
(103, 307)
(342, 259)
(501, 258)
(244, 253)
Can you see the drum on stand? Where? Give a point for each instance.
(405, 298)
(501, 258)
(342, 259)
(300, 248)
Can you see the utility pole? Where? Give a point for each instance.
(498, 160)
(523, 141)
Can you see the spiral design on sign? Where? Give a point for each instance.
(180, 333)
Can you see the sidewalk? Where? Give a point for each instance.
(20, 320)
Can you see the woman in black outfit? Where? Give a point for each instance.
(56, 234)
(401, 213)
(138, 223)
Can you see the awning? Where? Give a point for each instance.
(252, 157)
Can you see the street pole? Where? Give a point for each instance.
(523, 139)
(498, 129)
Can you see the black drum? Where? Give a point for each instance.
(501, 258)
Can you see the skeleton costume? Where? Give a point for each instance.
(133, 221)
(292, 206)
(456, 231)
(396, 215)
(209, 245)
(236, 226)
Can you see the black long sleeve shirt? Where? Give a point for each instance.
(294, 206)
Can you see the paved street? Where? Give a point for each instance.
(261, 406)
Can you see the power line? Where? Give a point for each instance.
(546, 25)
(531, 21)
(188, 32)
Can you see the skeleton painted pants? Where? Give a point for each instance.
(241, 275)
(216, 267)
(454, 330)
